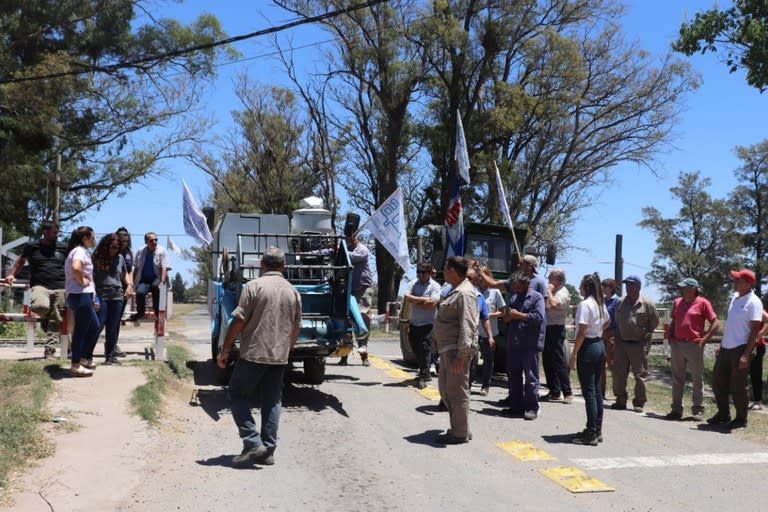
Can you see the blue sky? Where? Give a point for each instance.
(722, 113)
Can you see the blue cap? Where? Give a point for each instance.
(632, 279)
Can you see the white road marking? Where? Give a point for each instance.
(703, 459)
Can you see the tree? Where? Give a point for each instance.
(87, 81)
(179, 289)
(750, 198)
(739, 33)
(262, 167)
(702, 241)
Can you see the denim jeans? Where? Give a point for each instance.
(590, 361)
(247, 379)
(142, 289)
(109, 318)
(486, 372)
(86, 324)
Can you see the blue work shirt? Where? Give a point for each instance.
(528, 333)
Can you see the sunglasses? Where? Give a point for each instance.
(152, 240)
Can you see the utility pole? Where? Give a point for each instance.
(57, 190)
(618, 262)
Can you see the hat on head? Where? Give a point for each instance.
(747, 275)
(689, 281)
(632, 279)
(531, 260)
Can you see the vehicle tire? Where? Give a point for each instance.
(314, 370)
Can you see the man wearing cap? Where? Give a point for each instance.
(423, 297)
(690, 313)
(729, 376)
(636, 319)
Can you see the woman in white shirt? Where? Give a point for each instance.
(81, 294)
(588, 356)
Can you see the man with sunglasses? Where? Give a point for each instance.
(150, 270)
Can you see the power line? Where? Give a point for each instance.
(154, 59)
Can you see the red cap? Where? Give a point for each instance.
(747, 275)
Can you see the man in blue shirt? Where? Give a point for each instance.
(151, 270)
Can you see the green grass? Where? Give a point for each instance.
(147, 399)
(26, 387)
(659, 393)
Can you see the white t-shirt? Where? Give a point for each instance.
(495, 302)
(588, 313)
(71, 284)
(744, 309)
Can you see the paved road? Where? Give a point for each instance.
(363, 440)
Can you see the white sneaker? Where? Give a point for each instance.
(432, 370)
(80, 371)
(756, 406)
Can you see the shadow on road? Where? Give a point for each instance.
(426, 438)
(224, 461)
(559, 438)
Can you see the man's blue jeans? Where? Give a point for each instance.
(143, 288)
(247, 379)
(590, 361)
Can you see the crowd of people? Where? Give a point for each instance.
(612, 334)
(94, 284)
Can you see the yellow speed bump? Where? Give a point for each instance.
(524, 451)
(575, 480)
(430, 392)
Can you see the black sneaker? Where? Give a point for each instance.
(343, 361)
(250, 455)
(448, 438)
(441, 406)
(737, 423)
(112, 361)
(116, 352)
(586, 437)
(550, 397)
(265, 460)
(421, 383)
(505, 402)
(616, 406)
(718, 419)
(674, 416)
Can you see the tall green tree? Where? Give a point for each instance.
(738, 34)
(262, 166)
(703, 241)
(93, 81)
(179, 289)
(750, 200)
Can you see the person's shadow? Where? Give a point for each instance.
(426, 438)
(224, 461)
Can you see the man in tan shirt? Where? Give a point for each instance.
(636, 319)
(268, 317)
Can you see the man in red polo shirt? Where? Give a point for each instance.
(687, 338)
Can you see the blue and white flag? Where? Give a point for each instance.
(387, 225)
(454, 224)
(195, 224)
(461, 155)
(503, 199)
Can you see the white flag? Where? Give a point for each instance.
(503, 199)
(195, 224)
(387, 225)
(461, 155)
(172, 246)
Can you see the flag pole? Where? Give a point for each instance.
(503, 199)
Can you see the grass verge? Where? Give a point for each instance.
(26, 387)
(147, 399)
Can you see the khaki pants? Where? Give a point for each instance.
(454, 390)
(46, 303)
(691, 356)
(630, 356)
